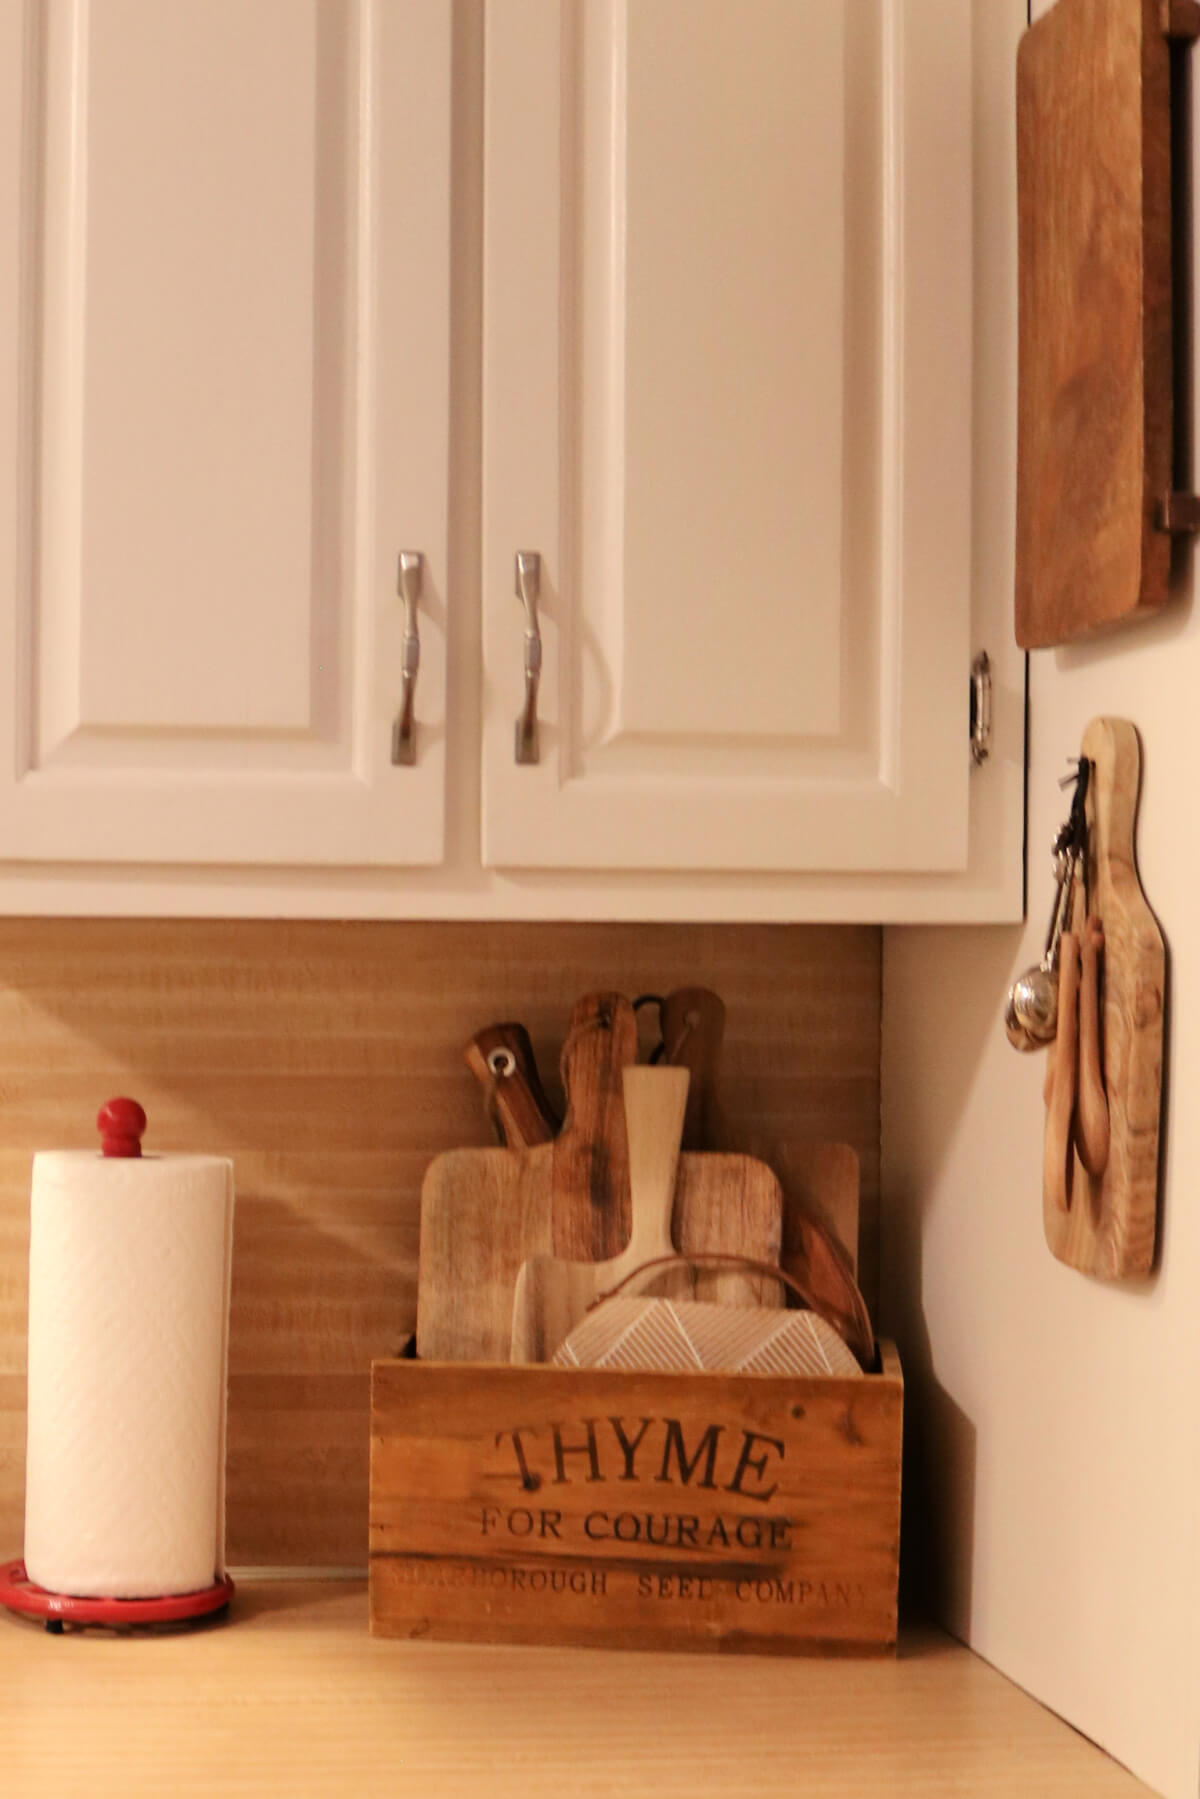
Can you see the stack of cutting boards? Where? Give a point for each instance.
(486, 1212)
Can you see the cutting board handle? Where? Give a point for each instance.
(601, 1041)
(655, 1102)
(590, 1165)
(692, 1020)
(501, 1057)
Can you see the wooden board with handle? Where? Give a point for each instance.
(485, 1211)
(1095, 381)
(589, 1160)
(720, 1198)
(692, 1023)
(820, 1179)
(553, 1294)
(819, 1183)
(1104, 1223)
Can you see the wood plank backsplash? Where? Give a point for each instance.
(326, 1059)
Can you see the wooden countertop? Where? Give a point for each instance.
(291, 1697)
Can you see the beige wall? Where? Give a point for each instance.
(1055, 1423)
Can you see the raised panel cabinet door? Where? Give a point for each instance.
(727, 400)
(224, 291)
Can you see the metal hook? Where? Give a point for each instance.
(1031, 1007)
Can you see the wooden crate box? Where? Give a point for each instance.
(658, 1511)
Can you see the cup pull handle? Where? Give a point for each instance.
(404, 731)
(528, 582)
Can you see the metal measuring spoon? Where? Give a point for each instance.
(1031, 1009)
(1029, 1021)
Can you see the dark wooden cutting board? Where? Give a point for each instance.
(1095, 446)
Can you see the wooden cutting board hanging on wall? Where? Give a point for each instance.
(1105, 1223)
(1095, 441)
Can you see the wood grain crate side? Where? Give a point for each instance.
(657, 1511)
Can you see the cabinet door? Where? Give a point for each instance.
(727, 386)
(224, 259)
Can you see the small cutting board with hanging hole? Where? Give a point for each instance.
(1108, 1229)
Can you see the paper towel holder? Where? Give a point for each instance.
(121, 1123)
(58, 1610)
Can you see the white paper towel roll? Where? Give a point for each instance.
(129, 1265)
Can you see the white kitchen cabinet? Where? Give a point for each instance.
(727, 366)
(712, 305)
(226, 263)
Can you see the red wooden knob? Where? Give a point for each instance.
(121, 1123)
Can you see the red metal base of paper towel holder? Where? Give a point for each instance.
(19, 1594)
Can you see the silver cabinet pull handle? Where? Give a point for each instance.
(404, 731)
(529, 579)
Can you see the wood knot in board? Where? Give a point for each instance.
(1147, 1002)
